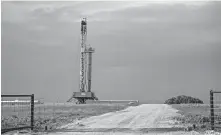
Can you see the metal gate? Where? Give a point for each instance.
(215, 109)
(17, 112)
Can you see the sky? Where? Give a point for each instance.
(147, 51)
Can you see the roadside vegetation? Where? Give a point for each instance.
(196, 117)
(194, 114)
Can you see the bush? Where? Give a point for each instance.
(183, 100)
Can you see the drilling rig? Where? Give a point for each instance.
(85, 69)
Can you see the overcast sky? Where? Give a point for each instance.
(148, 51)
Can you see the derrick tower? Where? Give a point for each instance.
(86, 51)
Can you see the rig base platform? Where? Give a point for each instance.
(81, 97)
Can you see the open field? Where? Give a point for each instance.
(144, 119)
(198, 115)
(108, 119)
(53, 115)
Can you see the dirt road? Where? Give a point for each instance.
(144, 119)
(143, 116)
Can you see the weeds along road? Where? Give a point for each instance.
(131, 121)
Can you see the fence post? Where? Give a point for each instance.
(32, 111)
(211, 109)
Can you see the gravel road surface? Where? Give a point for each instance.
(144, 119)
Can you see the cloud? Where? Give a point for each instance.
(13, 13)
(24, 12)
(143, 20)
(31, 11)
(108, 7)
(37, 28)
(71, 11)
(45, 42)
(112, 6)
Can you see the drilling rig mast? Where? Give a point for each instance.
(85, 69)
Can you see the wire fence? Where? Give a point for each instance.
(215, 109)
(17, 112)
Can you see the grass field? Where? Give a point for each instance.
(53, 115)
(198, 115)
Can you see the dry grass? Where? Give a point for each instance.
(55, 115)
(198, 115)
